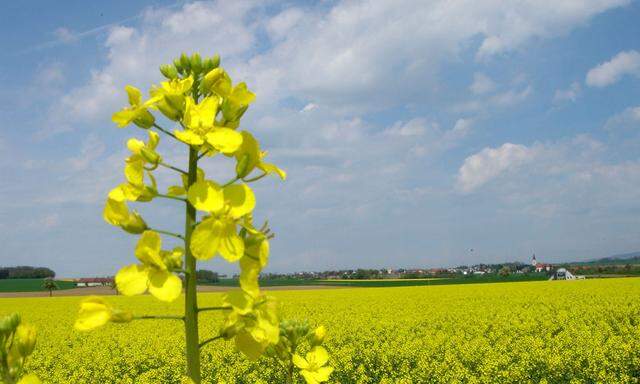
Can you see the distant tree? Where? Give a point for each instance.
(504, 271)
(204, 275)
(26, 272)
(50, 285)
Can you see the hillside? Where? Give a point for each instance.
(620, 259)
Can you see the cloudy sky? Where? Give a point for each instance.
(412, 131)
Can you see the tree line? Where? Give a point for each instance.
(26, 272)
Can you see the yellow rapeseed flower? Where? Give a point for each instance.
(217, 233)
(253, 322)
(154, 274)
(95, 312)
(312, 366)
(136, 113)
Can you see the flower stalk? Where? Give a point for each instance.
(191, 298)
(200, 97)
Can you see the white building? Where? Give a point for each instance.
(563, 274)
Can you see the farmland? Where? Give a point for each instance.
(490, 278)
(29, 285)
(555, 332)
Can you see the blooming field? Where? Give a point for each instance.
(556, 332)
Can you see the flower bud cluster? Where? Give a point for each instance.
(17, 341)
(189, 65)
(296, 335)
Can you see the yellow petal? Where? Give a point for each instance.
(222, 85)
(249, 273)
(300, 362)
(231, 246)
(175, 190)
(269, 168)
(257, 248)
(318, 355)
(242, 95)
(309, 377)
(117, 194)
(206, 196)
(134, 171)
(123, 117)
(240, 198)
(130, 192)
(164, 285)
(189, 137)
(115, 212)
(132, 280)
(154, 139)
(225, 140)
(134, 94)
(177, 86)
(135, 224)
(202, 115)
(239, 300)
(270, 331)
(251, 149)
(135, 145)
(30, 379)
(148, 249)
(322, 374)
(249, 346)
(205, 239)
(94, 312)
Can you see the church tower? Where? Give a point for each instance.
(534, 262)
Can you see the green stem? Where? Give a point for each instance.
(160, 317)
(203, 309)
(209, 340)
(5, 371)
(170, 197)
(291, 371)
(164, 131)
(255, 178)
(191, 298)
(231, 181)
(179, 236)
(173, 168)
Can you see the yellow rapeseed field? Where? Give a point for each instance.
(553, 332)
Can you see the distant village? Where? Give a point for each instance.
(559, 271)
(503, 269)
(614, 266)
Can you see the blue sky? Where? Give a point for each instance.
(412, 131)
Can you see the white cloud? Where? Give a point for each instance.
(65, 35)
(318, 72)
(490, 163)
(50, 75)
(330, 55)
(134, 53)
(481, 84)
(629, 118)
(309, 107)
(511, 97)
(279, 26)
(504, 99)
(569, 94)
(92, 148)
(460, 130)
(610, 72)
(517, 22)
(414, 127)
